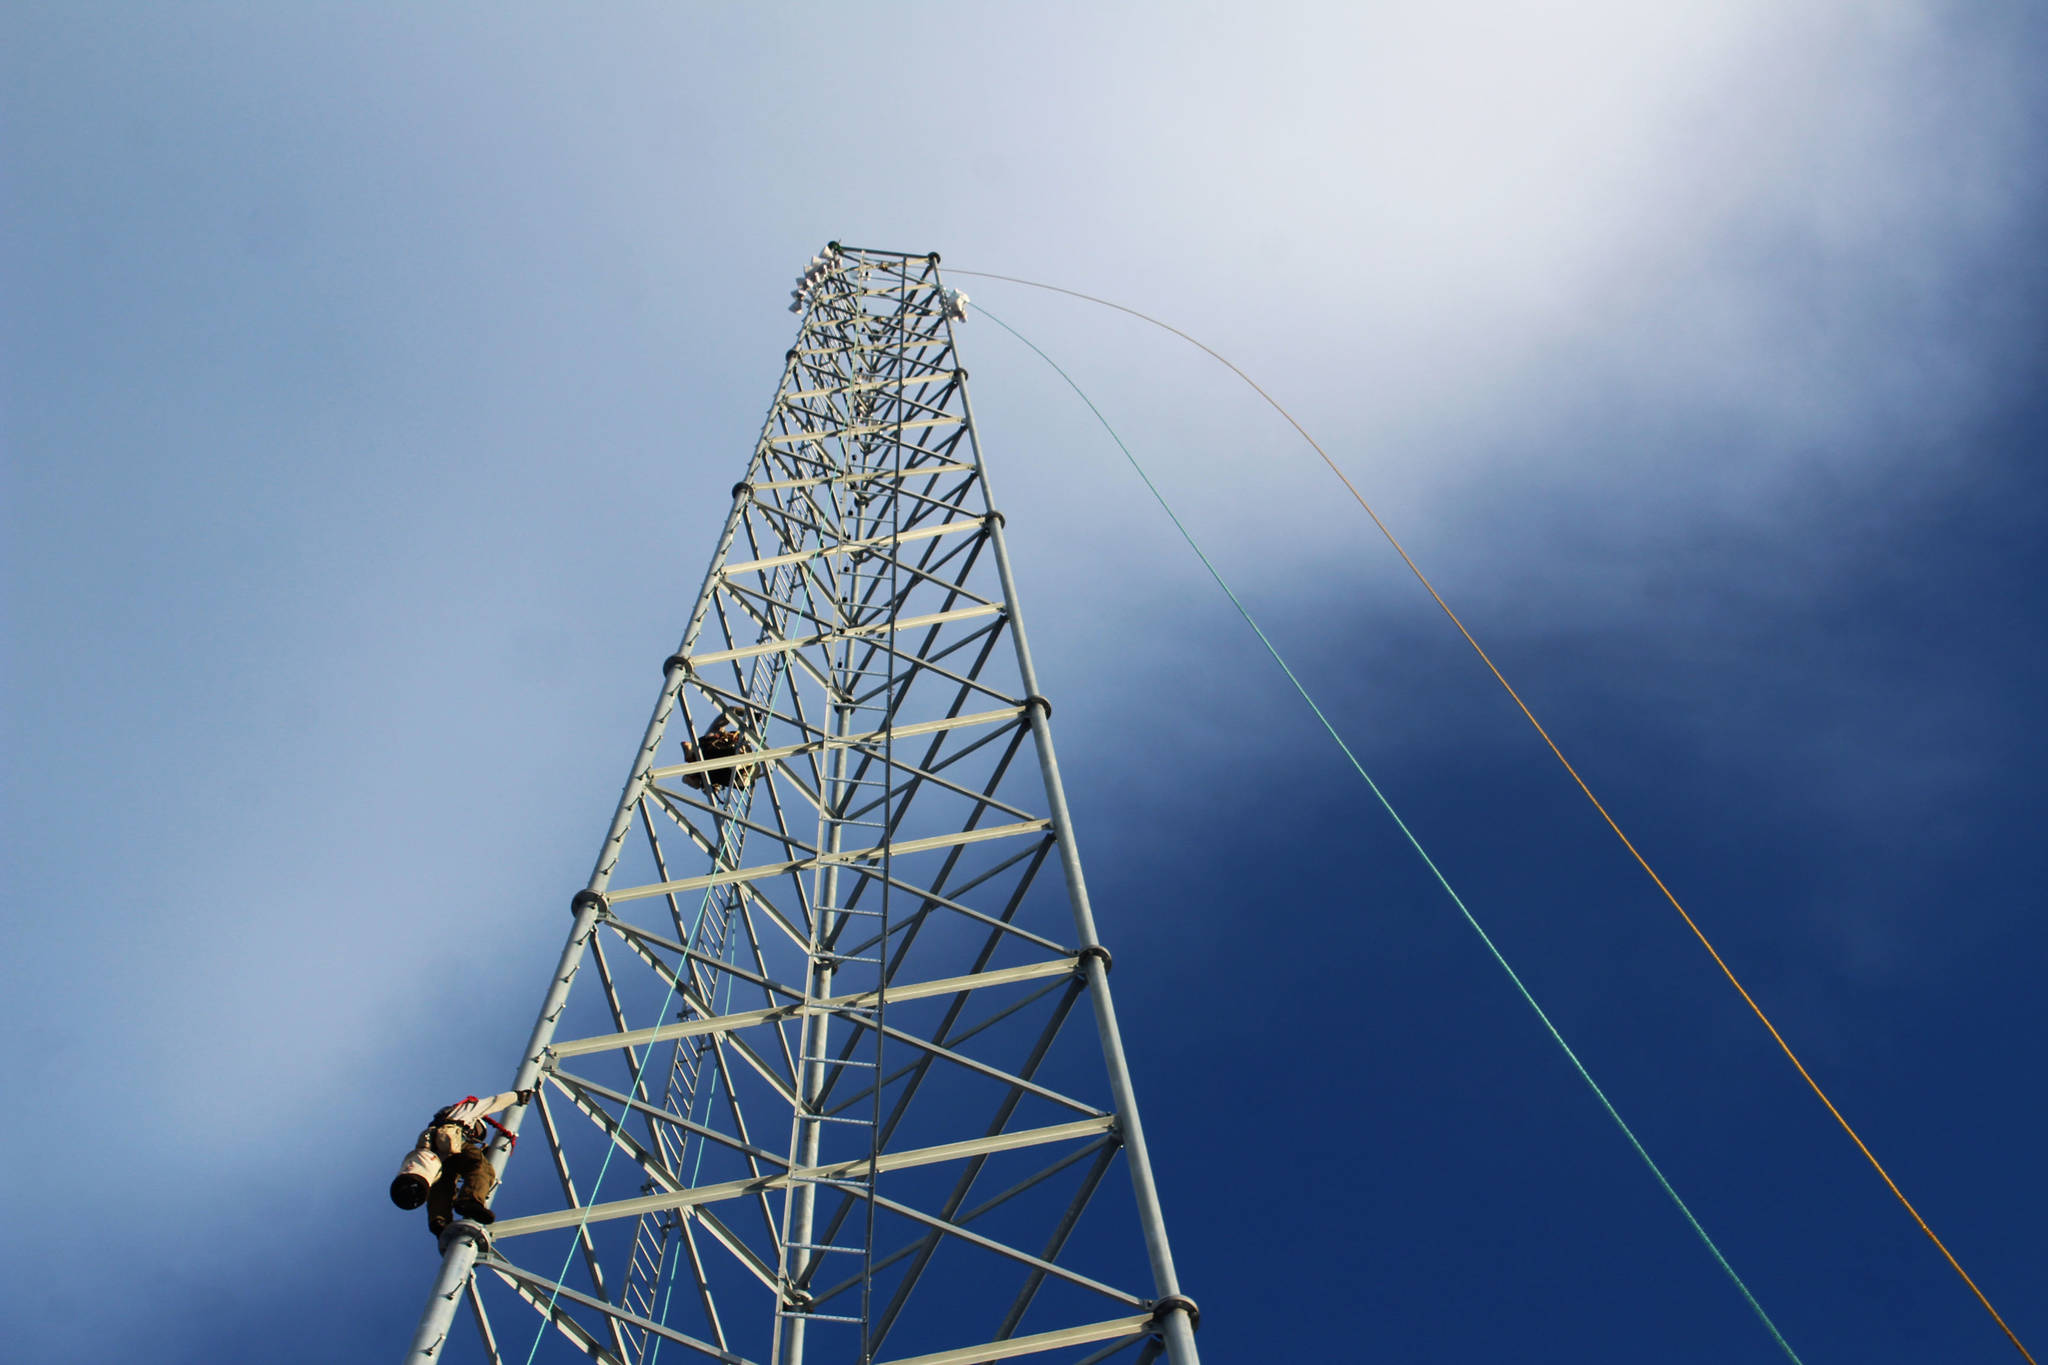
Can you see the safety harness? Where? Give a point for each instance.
(471, 1131)
(511, 1138)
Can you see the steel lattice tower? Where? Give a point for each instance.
(849, 997)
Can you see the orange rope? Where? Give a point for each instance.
(1626, 842)
(1726, 971)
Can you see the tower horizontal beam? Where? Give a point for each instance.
(906, 623)
(839, 859)
(854, 433)
(724, 1023)
(847, 547)
(867, 739)
(1012, 1347)
(838, 1170)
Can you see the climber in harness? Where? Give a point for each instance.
(451, 1152)
(720, 741)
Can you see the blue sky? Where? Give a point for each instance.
(373, 378)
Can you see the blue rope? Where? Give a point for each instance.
(669, 1288)
(611, 1148)
(724, 1007)
(1416, 844)
(668, 1293)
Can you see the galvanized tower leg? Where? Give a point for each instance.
(814, 1039)
(459, 1254)
(1177, 1321)
(822, 1052)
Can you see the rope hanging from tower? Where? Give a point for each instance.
(1523, 706)
(1521, 988)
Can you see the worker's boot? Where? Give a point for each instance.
(474, 1210)
(437, 1225)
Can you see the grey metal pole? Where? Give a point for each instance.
(814, 1038)
(457, 1261)
(1176, 1320)
(459, 1258)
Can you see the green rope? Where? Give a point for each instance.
(1414, 843)
(725, 849)
(724, 1007)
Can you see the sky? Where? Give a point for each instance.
(373, 379)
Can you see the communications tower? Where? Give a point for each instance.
(829, 1070)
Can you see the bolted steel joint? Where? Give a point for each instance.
(587, 899)
(673, 662)
(463, 1230)
(995, 519)
(1182, 1303)
(1040, 702)
(742, 488)
(1095, 950)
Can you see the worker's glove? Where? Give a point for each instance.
(525, 1096)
